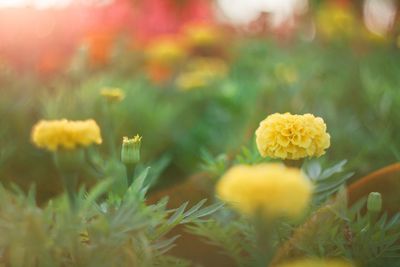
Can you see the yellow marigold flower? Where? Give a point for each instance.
(288, 136)
(63, 134)
(317, 263)
(269, 188)
(165, 50)
(200, 72)
(112, 94)
(202, 35)
(286, 73)
(335, 21)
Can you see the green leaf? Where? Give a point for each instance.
(195, 208)
(204, 212)
(99, 189)
(178, 214)
(137, 185)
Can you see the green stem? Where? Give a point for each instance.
(372, 218)
(293, 163)
(70, 181)
(265, 240)
(111, 129)
(130, 171)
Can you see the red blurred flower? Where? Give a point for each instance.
(160, 17)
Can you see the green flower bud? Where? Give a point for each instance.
(374, 203)
(130, 153)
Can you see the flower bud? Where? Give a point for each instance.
(130, 153)
(374, 202)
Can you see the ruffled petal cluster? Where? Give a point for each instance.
(293, 137)
(63, 134)
(317, 263)
(269, 188)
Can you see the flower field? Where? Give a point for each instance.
(170, 133)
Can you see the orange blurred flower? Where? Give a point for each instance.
(100, 46)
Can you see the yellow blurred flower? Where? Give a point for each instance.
(112, 94)
(270, 189)
(317, 263)
(63, 134)
(286, 73)
(293, 137)
(202, 35)
(165, 50)
(200, 72)
(335, 21)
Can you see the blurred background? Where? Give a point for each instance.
(198, 76)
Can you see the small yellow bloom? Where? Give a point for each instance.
(270, 189)
(286, 73)
(288, 136)
(165, 50)
(137, 139)
(201, 72)
(336, 22)
(112, 94)
(63, 134)
(202, 35)
(317, 263)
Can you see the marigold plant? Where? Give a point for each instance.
(64, 134)
(269, 188)
(293, 137)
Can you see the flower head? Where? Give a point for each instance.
(64, 134)
(112, 94)
(165, 50)
(130, 153)
(317, 263)
(202, 35)
(286, 73)
(201, 72)
(288, 136)
(336, 21)
(270, 189)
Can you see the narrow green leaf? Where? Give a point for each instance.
(178, 213)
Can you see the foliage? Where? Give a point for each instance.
(105, 230)
(349, 82)
(332, 228)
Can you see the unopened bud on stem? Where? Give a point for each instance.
(374, 203)
(130, 153)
